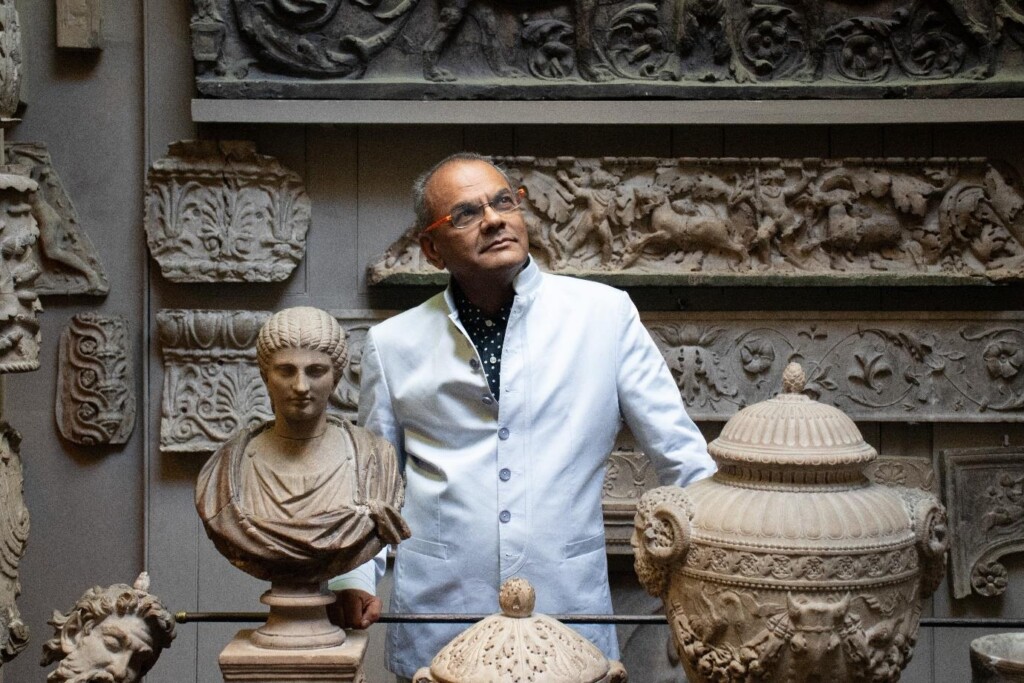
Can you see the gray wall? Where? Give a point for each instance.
(100, 515)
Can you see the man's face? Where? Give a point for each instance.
(116, 650)
(499, 245)
(300, 382)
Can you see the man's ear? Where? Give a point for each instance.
(430, 251)
(70, 631)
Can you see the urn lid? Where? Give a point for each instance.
(792, 430)
(518, 645)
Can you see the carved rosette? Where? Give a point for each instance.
(220, 212)
(788, 561)
(14, 528)
(646, 221)
(518, 645)
(96, 399)
(10, 59)
(19, 305)
(70, 263)
(985, 497)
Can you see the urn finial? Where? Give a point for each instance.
(517, 598)
(793, 379)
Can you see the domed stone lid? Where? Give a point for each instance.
(792, 430)
(518, 645)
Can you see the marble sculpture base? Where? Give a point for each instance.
(244, 662)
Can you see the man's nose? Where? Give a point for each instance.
(120, 665)
(492, 219)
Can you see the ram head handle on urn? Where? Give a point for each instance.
(928, 517)
(661, 536)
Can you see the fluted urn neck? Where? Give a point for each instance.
(792, 434)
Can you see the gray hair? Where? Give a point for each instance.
(303, 327)
(424, 215)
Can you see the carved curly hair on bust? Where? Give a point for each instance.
(303, 327)
(98, 603)
(660, 539)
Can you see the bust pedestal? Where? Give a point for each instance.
(244, 662)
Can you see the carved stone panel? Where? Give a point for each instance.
(434, 49)
(19, 305)
(875, 367)
(10, 59)
(645, 221)
(96, 395)
(985, 500)
(220, 212)
(628, 475)
(14, 527)
(69, 261)
(900, 470)
(212, 385)
(79, 24)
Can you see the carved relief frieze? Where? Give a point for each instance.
(628, 475)
(68, 260)
(220, 212)
(985, 500)
(646, 221)
(10, 59)
(212, 385)
(19, 305)
(414, 49)
(876, 367)
(14, 528)
(899, 470)
(96, 395)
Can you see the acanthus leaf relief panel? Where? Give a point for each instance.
(574, 49)
(68, 260)
(220, 212)
(96, 385)
(728, 221)
(985, 497)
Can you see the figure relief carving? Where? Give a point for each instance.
(114, 633)
(220, 212)
(755, 594)
(14, 528)
(567, 49)
(10, 59)
(810, 221)
(19, 304)
(69, 261)
(985, 495)
(212, 384)
(96, 398)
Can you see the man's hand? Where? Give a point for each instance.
(355, 609)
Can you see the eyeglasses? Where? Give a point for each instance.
(467, 215)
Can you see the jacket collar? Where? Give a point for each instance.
(525, 284)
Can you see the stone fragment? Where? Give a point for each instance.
(70, 263)
(14, 527)
(899, 470)
(96, 395)
(983, 489)
(10, 59)
(79, 24)
(220, 212)
(647, 221)
(19, 305)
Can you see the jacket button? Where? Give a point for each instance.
(505, 516)
(505, 474)
(503, 433)
(487, 400)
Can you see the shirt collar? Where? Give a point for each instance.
(525, 285)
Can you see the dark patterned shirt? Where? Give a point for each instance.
(487, 333)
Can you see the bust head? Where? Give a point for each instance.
(111, 634)
(302, 327)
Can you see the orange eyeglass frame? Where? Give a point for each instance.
(520, 193)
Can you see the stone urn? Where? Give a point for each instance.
(998, 658)
(518, 645)
(788, 564)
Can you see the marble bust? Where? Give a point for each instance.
(111, 634)
(306, 496)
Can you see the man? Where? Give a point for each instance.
(111, 634)
(503, 397)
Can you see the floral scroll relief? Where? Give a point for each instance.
(19, 304)
(955, 367)
(212, 384)
(14, 528)
(96, 401)
(636, 221)
(220, 212)
(985, 499)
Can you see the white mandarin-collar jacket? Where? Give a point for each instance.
(506, 488)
